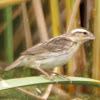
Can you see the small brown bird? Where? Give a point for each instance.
(55, 52)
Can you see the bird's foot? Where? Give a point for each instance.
(51, 78)
(63, 76)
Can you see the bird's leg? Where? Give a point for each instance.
(64, 76)
(46, 74)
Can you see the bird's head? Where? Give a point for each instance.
(81, 35)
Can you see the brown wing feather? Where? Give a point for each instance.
(35, 50)
(52, 45)
(58, 44)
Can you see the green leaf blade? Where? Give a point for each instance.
(27, 81)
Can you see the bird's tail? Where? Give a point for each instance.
(15, 64)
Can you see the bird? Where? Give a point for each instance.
(55, 52)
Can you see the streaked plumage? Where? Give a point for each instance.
(55, 52)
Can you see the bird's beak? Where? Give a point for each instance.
(91, 37)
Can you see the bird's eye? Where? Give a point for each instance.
(85, 33)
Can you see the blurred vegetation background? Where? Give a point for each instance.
(25, 23)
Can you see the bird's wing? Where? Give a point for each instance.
(58, 43)
(35, 50)
(53, 45)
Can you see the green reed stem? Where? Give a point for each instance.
(9, 34)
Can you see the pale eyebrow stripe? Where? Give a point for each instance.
(78, 30)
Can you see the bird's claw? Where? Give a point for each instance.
(64, 76)
(51, 78)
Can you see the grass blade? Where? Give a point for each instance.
(20, 82)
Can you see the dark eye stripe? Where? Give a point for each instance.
(85, 33)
